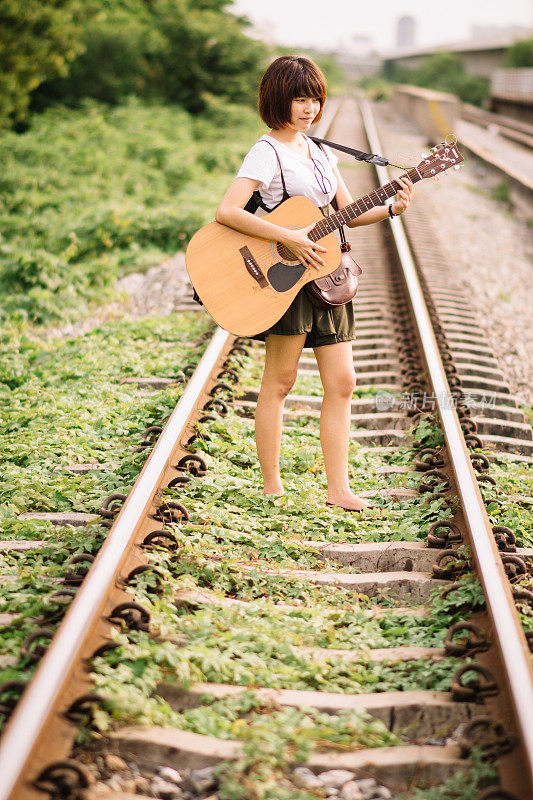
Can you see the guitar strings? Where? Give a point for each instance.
(373, 198)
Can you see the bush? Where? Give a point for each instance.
(376, 87)
(471, 89)
(89, 194)
(111, 68)
(520, 54)
(179, 51)
(443, 72)
(38, 40)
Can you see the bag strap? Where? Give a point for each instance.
(286, 195)
(345, 246)
(256, 201)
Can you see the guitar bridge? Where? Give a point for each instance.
(253, 267)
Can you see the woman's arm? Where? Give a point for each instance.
(231, 212)
(378, 213)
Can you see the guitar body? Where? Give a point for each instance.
(247, 283)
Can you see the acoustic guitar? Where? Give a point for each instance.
(247, 283)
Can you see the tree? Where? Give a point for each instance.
(520, 54)
(443, 72)
(38, 39)
(439, 71)
(204, 52)
(174, 50)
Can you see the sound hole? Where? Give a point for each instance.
(285, 253)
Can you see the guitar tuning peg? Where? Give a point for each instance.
(457, 166)
(424, 155)
(435, 177)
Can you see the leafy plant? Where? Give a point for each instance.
(520, 53)
(38, 41)
(170, 51)
(463, 785)
(441, 71)
(90, 194)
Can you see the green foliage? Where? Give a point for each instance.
(464, 785)
(277, 737)
(38, 40)
(427, 433)
(500, 193)
(376, 87)
(205, 52)
(90, 194)
(440, 71)
(272, 737)
(63, 403)
(264, 661)
(443, 72)
(395, 73)
(335, 74)
(520, 54)
(176, 51)
(350, 627)
(110, 68)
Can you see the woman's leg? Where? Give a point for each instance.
(281, 365)
(335, 363)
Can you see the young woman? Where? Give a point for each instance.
(291, 98)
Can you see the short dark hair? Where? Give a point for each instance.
(286, 78)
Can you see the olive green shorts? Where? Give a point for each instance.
(322, 325)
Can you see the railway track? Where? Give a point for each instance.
(502, 146)
(240, 565)
(509, 128)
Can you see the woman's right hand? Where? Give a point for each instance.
(306, 251)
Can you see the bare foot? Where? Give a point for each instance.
(347, 500)
(274, 489)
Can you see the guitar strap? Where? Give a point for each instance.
(359, 155)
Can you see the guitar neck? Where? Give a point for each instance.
(355, 209)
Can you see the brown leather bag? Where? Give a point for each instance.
(337, 288)
(340, 286)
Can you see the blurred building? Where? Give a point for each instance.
(511, 93)
(357, 55)
(405, 33)
(480, 56)
(359, 45)
(479, 32)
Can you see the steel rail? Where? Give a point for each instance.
(510, 639)
(36, 706)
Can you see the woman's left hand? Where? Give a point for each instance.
(405, 195)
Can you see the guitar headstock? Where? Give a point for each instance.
(442, 157)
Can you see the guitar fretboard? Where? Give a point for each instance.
(358, 207)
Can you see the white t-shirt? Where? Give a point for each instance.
(302, 176)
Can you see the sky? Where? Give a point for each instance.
(326, 24)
